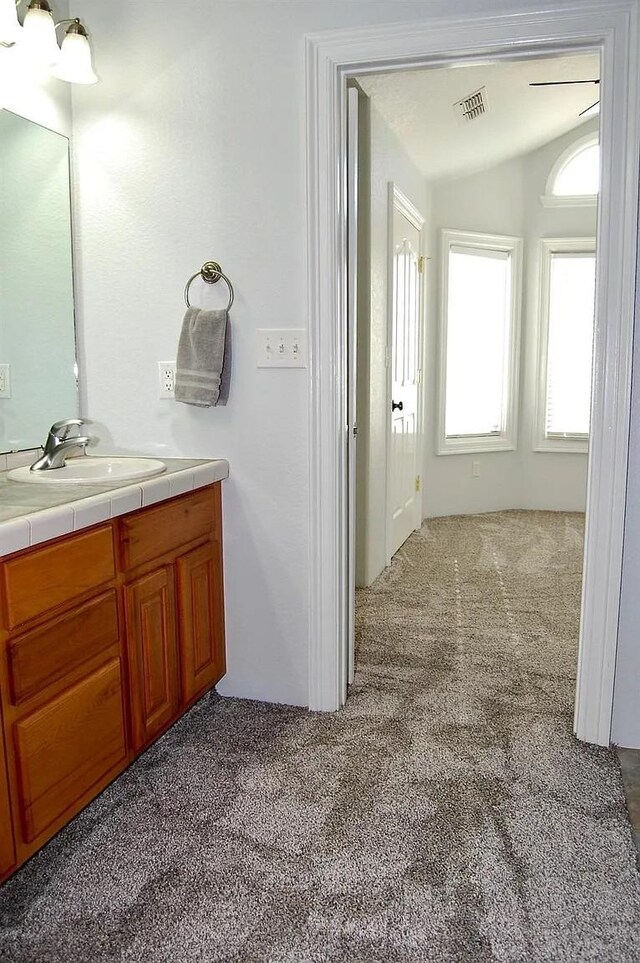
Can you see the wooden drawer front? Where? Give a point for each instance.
(200, 604)
(45, 578)
(7, 845)
(65, 748)
(154, 532)
(47, 654)
(153, 654)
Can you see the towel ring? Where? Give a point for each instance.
(211, 272)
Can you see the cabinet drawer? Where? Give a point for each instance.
(47, 577)
(154, 532)
(65, 748)
(47, 654)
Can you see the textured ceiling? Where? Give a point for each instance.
(418, 106)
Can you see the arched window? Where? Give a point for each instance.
(575, 177)
(580, 174)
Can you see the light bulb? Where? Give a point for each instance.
(10, 28)
(39, 33)
(74, 63)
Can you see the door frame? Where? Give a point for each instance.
(397, 200)
(607, 26)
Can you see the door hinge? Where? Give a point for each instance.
(417, 483)
(421, 263)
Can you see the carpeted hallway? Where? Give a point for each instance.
(447, 814)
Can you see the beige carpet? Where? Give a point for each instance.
(447, 815)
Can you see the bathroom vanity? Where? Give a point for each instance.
(108, 633)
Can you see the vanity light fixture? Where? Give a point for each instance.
(37, 39)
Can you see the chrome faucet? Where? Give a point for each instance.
(59, 443)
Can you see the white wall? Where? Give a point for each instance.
(387, 162)
(504, 200)
(193, 146)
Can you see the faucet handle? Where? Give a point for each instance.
(62, 428)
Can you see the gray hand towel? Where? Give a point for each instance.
(201, 357)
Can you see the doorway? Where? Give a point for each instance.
(330, 61)
(506, 363)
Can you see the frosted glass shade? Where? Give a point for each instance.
(74, 63)
(10, 28)
(39, 36)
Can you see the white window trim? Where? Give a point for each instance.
(549, 247)
(549, 199)
(507, 439)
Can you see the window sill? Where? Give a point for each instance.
(570, 446)
(475, 445)
(569, 200)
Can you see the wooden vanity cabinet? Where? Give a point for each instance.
(106, 637)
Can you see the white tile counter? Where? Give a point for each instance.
(30, 514)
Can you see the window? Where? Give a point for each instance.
(575, 177)
(568, 277)
(580, 174)
(481, 299)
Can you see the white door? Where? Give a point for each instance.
(404, 500)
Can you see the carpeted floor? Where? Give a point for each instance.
(447, 814)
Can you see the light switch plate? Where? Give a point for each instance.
(281, 348)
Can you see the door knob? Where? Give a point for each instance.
(397, 404)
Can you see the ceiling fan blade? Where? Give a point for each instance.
(587, 109)
(561, 83)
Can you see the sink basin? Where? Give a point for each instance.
(92, 471)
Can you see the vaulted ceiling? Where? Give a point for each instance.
(418, 105)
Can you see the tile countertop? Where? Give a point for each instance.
(30, 514)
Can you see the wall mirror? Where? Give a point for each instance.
(38, 369)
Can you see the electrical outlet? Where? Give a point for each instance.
(5, 381)
(475, 469)
(282, 348)
(166, 379)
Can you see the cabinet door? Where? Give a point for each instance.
(67, 747)
(153, 654)
(201, 608)
(7, 848)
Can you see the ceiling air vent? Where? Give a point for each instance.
(473, 106)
